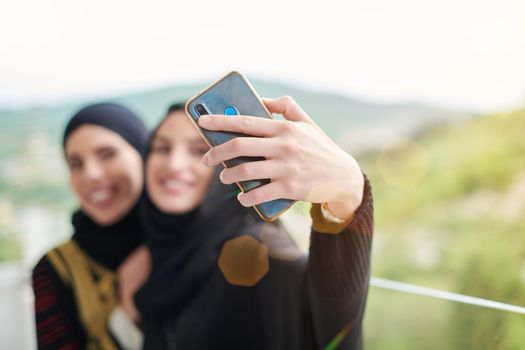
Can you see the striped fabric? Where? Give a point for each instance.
(57, 324)
(339, 263)
(339, 273)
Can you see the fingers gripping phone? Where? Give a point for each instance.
(233, 95)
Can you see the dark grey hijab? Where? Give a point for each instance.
(185, 247)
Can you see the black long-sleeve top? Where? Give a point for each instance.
(298, 303)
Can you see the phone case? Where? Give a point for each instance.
(233, 94)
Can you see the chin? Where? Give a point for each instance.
(177, 208)
(105, 218)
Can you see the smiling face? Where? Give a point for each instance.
(176, 178)
(105, 173)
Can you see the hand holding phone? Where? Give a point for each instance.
(302, 162)
(233, 95)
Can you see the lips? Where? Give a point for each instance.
(176, 186)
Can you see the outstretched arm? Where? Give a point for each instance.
(303, 163)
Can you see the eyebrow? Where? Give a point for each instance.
(160, 138)
(97, 150)
(102, 149)
(196, 140)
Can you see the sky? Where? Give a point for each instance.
(467, 54)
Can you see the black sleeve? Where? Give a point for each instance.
(337, 278)
(56, 315)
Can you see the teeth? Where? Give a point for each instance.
(99, 196)
(174, 183)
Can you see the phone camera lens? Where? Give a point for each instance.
(231, 110)
(201, 109)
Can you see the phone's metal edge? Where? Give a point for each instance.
(188, 114)
(270, 115)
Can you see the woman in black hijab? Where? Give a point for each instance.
(74, 284)
(224, 279)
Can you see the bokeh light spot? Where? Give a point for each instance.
(244, 261)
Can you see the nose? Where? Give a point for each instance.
(178, 159)
(93, 170)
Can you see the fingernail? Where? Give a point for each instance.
(205, 159)
(221, 176)
(240, 199)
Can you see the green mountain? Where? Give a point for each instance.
(340, 116)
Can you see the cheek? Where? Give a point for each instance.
(76, 183)
(127, 172)
(204, 175)
(153, 170)
(137, 177)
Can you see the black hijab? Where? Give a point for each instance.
(109, 245)
(185, 247)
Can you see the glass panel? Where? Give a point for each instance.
(397, 320)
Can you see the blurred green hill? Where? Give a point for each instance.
(450, 214)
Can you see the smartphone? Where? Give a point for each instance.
(234, 95)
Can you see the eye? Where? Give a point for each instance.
(107, 153)
(161, 148)
(198, 151)
(74, 164)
